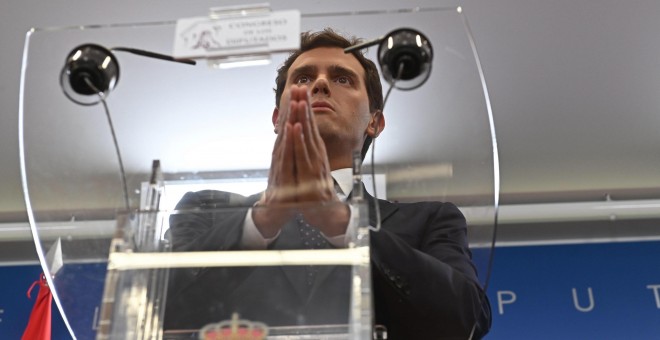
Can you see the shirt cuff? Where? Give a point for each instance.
(342, 241)
(252, 238)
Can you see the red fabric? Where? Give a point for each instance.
(38, 327)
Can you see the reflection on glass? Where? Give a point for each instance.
(436, 148)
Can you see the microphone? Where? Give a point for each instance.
(405, 56)
(91, 71)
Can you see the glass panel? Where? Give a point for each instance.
(205, 127)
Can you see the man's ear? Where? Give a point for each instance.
(276, 116)
(376, 124)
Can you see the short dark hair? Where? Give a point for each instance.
(329, 38)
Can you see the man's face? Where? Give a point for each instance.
(338, 95)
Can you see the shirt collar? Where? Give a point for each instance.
(344, 178)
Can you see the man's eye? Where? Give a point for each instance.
(343, 80)
(302, 80)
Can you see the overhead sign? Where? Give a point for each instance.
(263, 33)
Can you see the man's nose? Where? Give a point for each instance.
(321, 86)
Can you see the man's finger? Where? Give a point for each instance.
(281, 178)
(302, 158)
(302, 111)
(287, 167)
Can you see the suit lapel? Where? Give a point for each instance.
(290, 239)
(386, 210)
(322, 273)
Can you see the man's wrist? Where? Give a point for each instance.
(265, 221)
(252, 238)
(331, 219)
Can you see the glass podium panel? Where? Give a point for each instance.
(163, 242)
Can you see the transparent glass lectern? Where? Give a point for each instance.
(165, 253)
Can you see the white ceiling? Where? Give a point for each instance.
(573, 86)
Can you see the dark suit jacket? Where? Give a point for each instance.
(424, 283)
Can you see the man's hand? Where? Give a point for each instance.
(300, 179)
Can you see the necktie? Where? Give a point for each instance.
(312, 239)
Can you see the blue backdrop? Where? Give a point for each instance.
(624, 280)
(585, 291)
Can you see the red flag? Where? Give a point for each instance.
(38, 327)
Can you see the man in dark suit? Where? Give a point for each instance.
(328, 105)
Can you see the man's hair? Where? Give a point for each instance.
(329, 38)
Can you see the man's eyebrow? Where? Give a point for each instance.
(338, 69)
(305, 69)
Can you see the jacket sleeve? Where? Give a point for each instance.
(208, 220)
(203, 221)
(430, 275)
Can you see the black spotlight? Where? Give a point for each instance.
(405, 56)
(90, 72)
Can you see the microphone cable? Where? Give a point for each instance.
(89, 83)
(373, 150)
(377, 205)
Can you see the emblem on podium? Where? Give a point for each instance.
(234, 329)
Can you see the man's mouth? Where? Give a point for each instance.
(321, 106)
